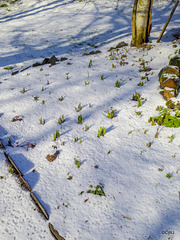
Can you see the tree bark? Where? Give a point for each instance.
(141, 21)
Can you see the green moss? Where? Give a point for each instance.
(175, 61)
(3, 5)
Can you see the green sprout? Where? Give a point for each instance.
(86, 127)
(23, 90)
(90, 64)
(111, 114)
(61, 98)
(78, 163)
(80, 119)
(86, 83)
(56, 135)
(101, 132)
(61, 119)
(42, 121)
(136, 96)
(169, 175)
(97, 191)
(118, 84)
(36, 98)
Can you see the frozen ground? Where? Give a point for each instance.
(141, 202)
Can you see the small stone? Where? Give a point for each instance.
(167, 94)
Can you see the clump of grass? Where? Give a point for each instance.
(111, 114)
(36, 98)
(86, 83)
(23, 90)
(61, 119)
(90, 64)
(61, 98)
(76, 139)
(42, 121)
(79, 108)
(97, 191)
(80, 119)
(136, 96)
(118, 84)
(86, 127)
(56, 135)
(101, 132)
(78, 163)
(102, 77)
(169, 175)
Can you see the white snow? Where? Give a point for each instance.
(141, 202)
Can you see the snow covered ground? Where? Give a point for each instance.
(140, 202)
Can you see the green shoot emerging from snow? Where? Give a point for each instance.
(97, 191)
(101, 132)
(80, 119)
(78, 163)
(56, 135)
(90, 64)
(86, 127)
(61, 120)
(42, 121)
(136, 96)
(111, 114)
(118, 84)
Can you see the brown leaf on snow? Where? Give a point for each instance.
(51, 158)
(127, 217)
(16, 118)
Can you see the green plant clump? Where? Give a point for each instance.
(136, 96)
(166, 119)
(101, 132)
(98, 190)
(111, 114)
(80, 119)
(118, 84)
(78, 163)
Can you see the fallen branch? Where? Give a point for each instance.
(167, 22)
(55, 232)
(39, 205)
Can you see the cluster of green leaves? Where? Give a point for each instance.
(166, 119)
(101, 132)
(77, 162)
(42, 121)
(111, 114)
(118, 84)
(97, 191)
(80, 119)
(169, 175)
(137, 97)
(61, 119)
(78, 108)
(86, 127)
(56, 135)
(90, 64)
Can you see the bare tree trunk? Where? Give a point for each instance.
(141, 21)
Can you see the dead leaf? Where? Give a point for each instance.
(51, 158)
